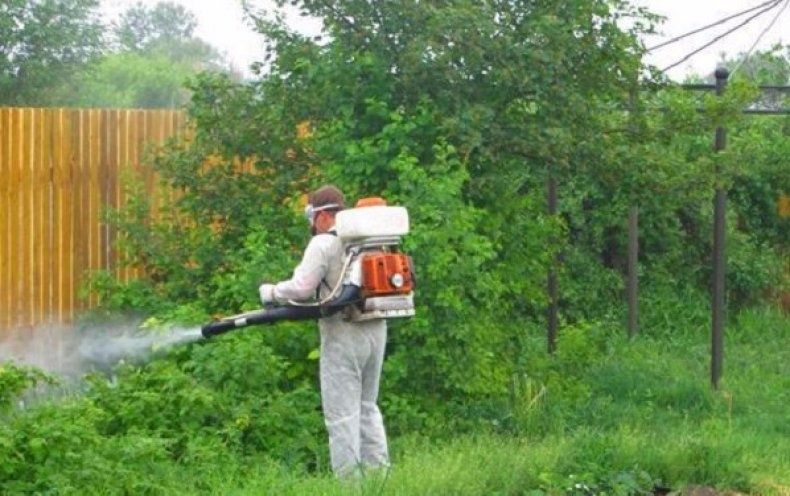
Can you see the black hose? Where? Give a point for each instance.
(348, 295)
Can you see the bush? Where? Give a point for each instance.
(15, 379)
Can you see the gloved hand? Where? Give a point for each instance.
(266, 291)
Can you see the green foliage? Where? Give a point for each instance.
(456, 110)
(15, 379)
(57, 52)
(154, 55)
(605, 415)
(455, 151)
(770, 67)
(141, 28)
(193, 410)
(412, 104)
(131, 79)
(42, 44)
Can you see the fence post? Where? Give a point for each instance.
(719, 255)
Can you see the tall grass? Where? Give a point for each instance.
(631, 416)
(604, 415)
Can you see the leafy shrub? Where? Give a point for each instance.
(15, 379)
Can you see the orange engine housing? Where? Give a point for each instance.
(381, 273)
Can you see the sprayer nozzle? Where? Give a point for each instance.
(217, 327)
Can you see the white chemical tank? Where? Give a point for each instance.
(371, 222)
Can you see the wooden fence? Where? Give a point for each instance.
(58, 169)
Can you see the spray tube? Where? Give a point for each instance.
(349, 295)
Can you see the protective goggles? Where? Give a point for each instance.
(310, 210)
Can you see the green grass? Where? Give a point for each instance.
(605, 415)
(638, 414)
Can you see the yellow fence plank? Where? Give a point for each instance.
(81, 205)
(135, 130)
(63, 194)
(120, 135)
(125, 174)
(13, 214)
(23, 220)
(94, 198)
(4, 289)
(59, 168)
(39, 217)
(5, 216)
(44, 220)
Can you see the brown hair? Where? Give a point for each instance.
(326, 195)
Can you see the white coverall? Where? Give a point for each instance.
(352, 354)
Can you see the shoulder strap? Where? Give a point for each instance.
(331, 232)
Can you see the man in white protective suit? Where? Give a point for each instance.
(352, 353)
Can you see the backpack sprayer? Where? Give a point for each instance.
(377, 279)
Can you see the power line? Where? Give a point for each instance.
(711, 25)
(745, 58)
(717, 38)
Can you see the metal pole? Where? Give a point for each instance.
(633, 280)
(551, 283)
(719, 255)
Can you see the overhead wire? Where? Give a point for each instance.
(745, 58)
(773, 5)
(711, 25)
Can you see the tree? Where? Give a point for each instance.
(155, 54)
(454, 108)
(770, 67)
(130, 80)
(165, 29)
(141, 27)
(42, 44)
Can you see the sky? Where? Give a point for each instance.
(221, 23)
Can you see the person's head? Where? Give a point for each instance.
(322, 205)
